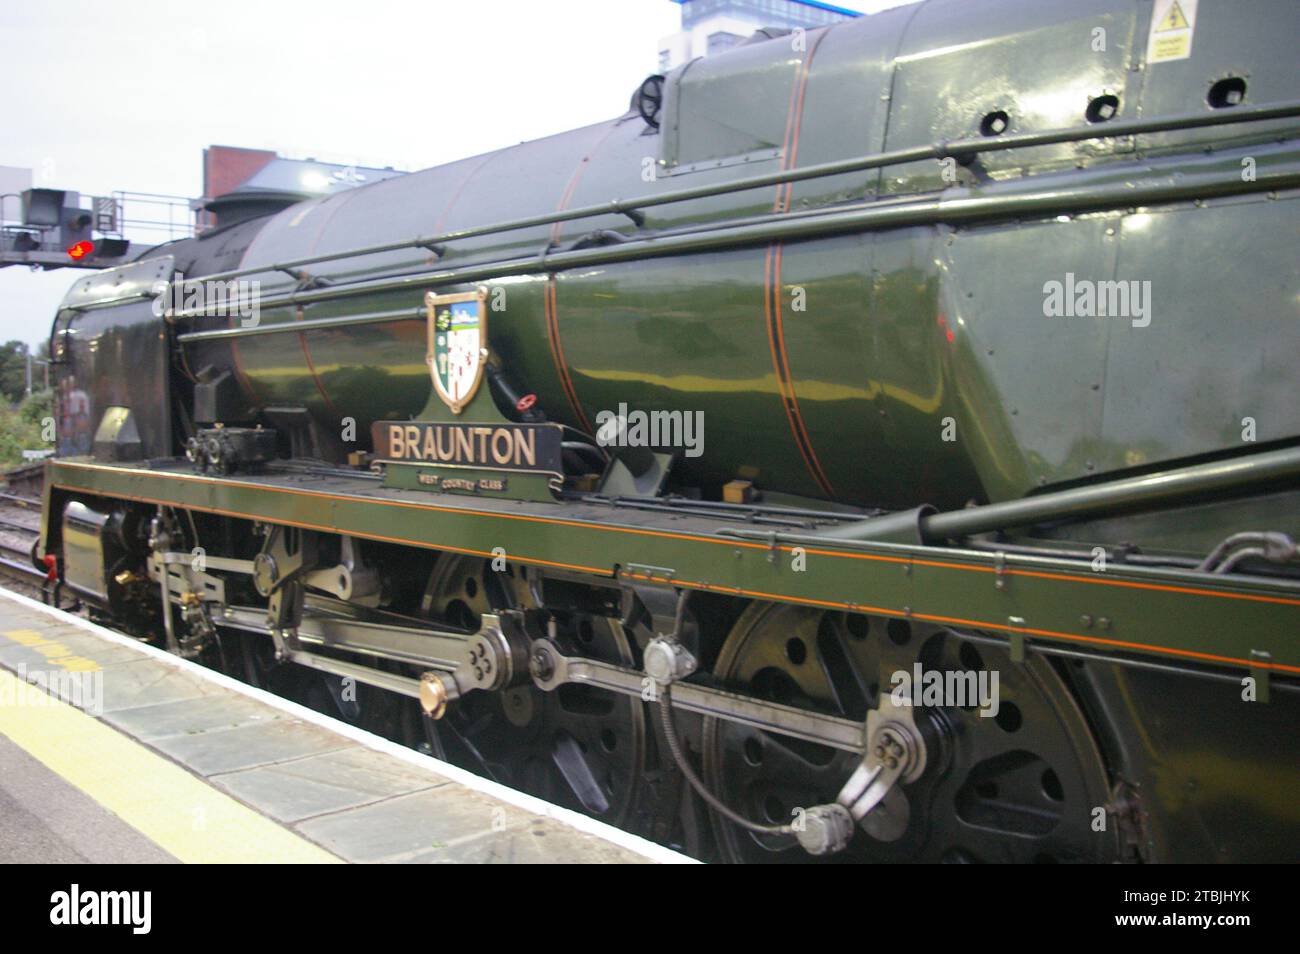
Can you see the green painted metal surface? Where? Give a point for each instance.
(1178, 616)
(901, 331)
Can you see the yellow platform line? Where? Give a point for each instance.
(177, 811)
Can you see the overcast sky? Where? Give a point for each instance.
(101, 95)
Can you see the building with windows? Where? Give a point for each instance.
(710, 26)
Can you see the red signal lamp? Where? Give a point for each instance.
(80, 250)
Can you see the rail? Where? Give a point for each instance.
(944, 149)
(796, 225)
(785, 227)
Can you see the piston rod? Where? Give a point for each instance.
(450, 657)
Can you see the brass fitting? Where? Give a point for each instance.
(433, 695)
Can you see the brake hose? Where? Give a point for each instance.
(679, 755)
(665, 703)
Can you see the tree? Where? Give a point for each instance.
(13, 370)
(37, 407)
(24, 428)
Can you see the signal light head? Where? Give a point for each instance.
(80, 250)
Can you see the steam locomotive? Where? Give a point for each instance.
(880, 443)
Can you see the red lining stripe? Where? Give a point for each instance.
(572, 186)
(302, 336)
(978, 624)
(853, 607)
(781, 360)
(772, 281)
(437, 226)
(551, 310)
(550, 305)
(239, 369)
(460, 187)
(638, 531)
(780, 363)
(311, 366)
(793, 124)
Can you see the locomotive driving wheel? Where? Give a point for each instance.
(1018, 786)
(579, 747)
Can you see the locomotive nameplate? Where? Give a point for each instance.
(508, 447)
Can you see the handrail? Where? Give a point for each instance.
(813, 224)
(943, 149)
(310, 324)
(1145, 492)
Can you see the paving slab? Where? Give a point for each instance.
(265, 743)
(148, 683)
(186, 717)
(532, 844)
(316, 788)
(60, 649)
(323, 784)
(399, 827)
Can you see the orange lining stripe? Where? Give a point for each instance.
(740, 591)
(460, 187)
(856, 607)
(777, 202)
(302, 336)
(772, 280)
(551, 310)
(638, 531)
(979, 624)
(368, 535)
(793, 124)
(810, 453)
(240, 372)
(781, 367)
(776, 361)
(311, 366)
(320, 230)
(550, 306)
(572, 186)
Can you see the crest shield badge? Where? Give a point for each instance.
(457, 345)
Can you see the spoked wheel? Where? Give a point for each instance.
(1020, 786)
(579, 747)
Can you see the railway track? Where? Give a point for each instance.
(20, 528)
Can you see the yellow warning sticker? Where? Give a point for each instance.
(1172, 24)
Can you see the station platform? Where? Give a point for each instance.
(113, 751)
